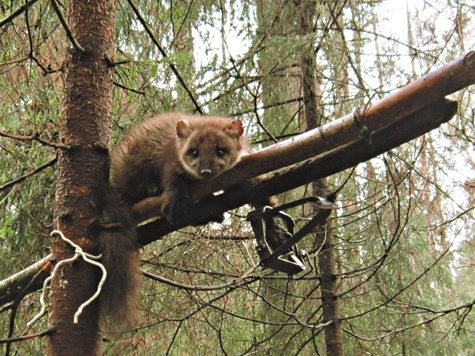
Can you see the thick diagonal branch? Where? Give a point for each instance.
(419, 94)
(321, 166)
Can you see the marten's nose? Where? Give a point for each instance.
(206, 173)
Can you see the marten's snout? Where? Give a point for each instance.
(206, 173)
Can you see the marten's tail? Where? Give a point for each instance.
(120, 297)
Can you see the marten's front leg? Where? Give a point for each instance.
(178, 200)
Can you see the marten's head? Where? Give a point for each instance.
(208, 146)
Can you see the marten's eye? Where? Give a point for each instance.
(193, 152)
(221, 152)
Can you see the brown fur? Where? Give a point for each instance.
(120, 295)
(168, 153)
(164, 155)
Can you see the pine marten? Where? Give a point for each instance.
(166, 154)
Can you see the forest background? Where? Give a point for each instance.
(402, 237)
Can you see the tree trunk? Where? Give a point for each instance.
(83, 171)
(323, 234)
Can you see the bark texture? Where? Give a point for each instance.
(83, 172)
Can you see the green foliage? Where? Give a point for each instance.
(403, 237)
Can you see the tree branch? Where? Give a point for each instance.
(16, 13)
(35, 136)
(11, 286)
(393, 114)
(421, 93)
(164, 54)
(321, 166)
(69, 33)
(29, 174)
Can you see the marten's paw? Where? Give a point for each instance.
(176, 210)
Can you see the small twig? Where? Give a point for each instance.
(50, 330)
(69, 33)
(30, 41)
(255, 98)
(118, 63)
(88, 258)
(39, 64)
(16, 13)
(230, 283)
(268, 106)
(35, 136)
(15, 61)
(140, 92)
(164, 54)
(29, 174)
(27, 21)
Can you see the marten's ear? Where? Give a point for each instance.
(183, 129)
(234, 128)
